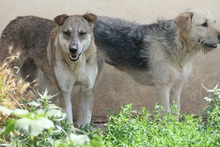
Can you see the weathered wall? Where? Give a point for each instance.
(117, 88)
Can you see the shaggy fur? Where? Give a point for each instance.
(158, 54)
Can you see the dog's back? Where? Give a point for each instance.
(25, 38)
(113, 37)
(127, 45)
(25, 33)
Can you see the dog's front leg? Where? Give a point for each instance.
(87, 98)
(85, 107)
(67, 105)
(163, 94)
(65, 83)
(175, 95)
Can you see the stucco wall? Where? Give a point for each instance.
(117, 88)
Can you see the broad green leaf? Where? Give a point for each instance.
(16, 112)
(9, 126)
(5, 110)
(79, 139)
(55, 113)
(33, 103)
(53, 106)
(41, 112)
(33, 127)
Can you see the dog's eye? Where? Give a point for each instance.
(82, 33)
(67, 33)
(205, 24)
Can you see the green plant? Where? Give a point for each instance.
(213, 110)
(213, 99)
(129, 128)
(43, 124)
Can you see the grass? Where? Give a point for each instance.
(12, 92)
(127, 128)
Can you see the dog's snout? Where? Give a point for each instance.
(73, 48)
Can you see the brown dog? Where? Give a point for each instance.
(62, 52)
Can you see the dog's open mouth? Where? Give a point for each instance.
(74, 57)
(208, 45)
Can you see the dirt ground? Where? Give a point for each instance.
(117, 88)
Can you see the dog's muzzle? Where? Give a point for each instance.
(74, 56)
(206, 44)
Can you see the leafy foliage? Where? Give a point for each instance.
(213, 109)
(41, 123)
(129, 128)
(38, 126)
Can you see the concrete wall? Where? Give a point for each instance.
(117, 88)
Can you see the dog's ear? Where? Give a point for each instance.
(183, 21)
(60, 19)
(91, 18)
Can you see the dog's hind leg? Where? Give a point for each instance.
(29, 70)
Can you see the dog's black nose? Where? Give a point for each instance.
(73, 50)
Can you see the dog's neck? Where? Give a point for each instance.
(91, 51)
(187, 50)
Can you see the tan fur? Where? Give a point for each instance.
(170, 74)
(65, 59)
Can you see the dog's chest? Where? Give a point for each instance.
(75, 72)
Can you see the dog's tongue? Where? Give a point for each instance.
(73, 57)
